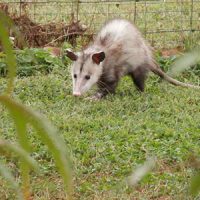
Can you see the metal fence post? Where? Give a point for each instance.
(145, 20)
(191, 16)
(77, 10)
(20, 7)
(135, 11)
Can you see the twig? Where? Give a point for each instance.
(66, 35)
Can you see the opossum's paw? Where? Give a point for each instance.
(98, 96)
(92, 98)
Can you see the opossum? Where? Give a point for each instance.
(118, 50)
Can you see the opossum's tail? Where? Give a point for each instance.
(157, 70)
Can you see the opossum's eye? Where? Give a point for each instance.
(87, 77)
(75, 76)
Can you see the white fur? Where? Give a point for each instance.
(122, 32)
(119, 34)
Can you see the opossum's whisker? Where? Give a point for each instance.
(117, 50)
(105, 86)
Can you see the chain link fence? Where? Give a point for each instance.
(165, 23)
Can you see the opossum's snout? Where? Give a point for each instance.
(81, 84)
(76, 94)
(77, 90)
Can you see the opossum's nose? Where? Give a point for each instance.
(77, 94)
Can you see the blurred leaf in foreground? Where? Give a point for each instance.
(17, 150)
(5, 172)
(6, 22)
(185, 62)
(195, 185)
(141, 171)
(47, 133)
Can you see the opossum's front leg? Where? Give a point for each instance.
(105, 87)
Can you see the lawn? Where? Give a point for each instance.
(108, 139)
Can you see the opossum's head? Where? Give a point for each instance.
(86, 70)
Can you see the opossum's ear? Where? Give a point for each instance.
(98, 57)
(71, 55)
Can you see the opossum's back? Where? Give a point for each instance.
(118, 30)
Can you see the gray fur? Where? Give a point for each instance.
(118, 50)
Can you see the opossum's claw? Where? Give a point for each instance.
(93, 98)
(98, 96)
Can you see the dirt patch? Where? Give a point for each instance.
(40, 35)
(166, 53)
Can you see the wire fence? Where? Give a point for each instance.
(165, 23)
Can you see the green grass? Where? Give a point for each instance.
(109, 138)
